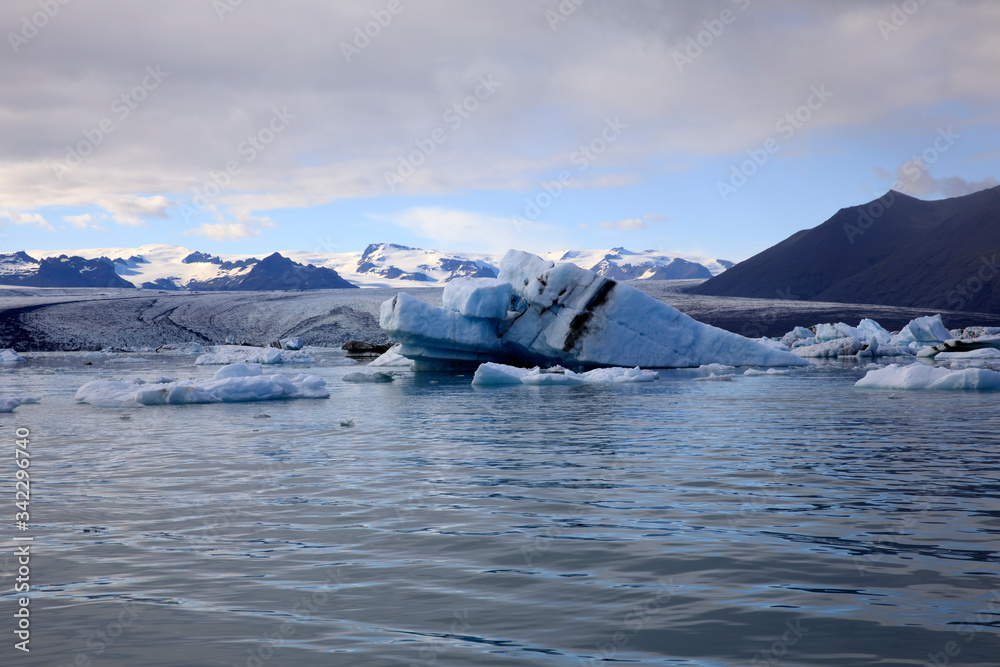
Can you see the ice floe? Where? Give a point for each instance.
(921, 376)
(540, 313)
(500, 374)
(236, 383)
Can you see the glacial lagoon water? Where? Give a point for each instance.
(790, 520)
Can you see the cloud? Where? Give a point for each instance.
(238, 225)
(133, 211)
(83, 221)
(353, 120)
(628, 224)
(22, 218)
(914, 178)
(451, 229)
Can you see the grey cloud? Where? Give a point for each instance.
(353, 119)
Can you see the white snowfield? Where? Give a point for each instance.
(921, 376)
(560, 314)
(236, 383)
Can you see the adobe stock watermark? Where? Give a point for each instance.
(912, 170)
(249, 149)
(31, 25)
(898, 17)
(974, 284)
(106, 637)
(562, 12)
(223, 7)
(779, 648)
(432, 647)
(455, 116)
(364, 34)
(636, 618)
(121, 108)
(309, 603)
(581, 158)
(974, 624)
(787, 126)
(696, 44)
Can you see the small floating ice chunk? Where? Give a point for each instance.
(496, 374)
(920, 376)
(725, 377)
(238, 371)
(837, 347)
(368, 377)
(500, 374)
(392, 358)
(929, 330)
(9, 357)
(291, 343)
(754, 372)
(234, 354)
(8, 404)
(230, 388)
(982, 353)
(180, 348)
(716, 368)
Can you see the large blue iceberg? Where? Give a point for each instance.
(540, 313)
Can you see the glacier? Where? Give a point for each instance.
(539, 313)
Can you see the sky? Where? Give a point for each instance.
(716, 128)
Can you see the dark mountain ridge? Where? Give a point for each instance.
(895, 250)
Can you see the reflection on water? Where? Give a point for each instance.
(770, 520)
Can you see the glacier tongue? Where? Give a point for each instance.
(562, 314)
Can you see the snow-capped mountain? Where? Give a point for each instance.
(21, 268)
(168, 267)
(622, 264)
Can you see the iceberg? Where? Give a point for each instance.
(920, 376)
(537, 313)
(500, 374)
(236, 383)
